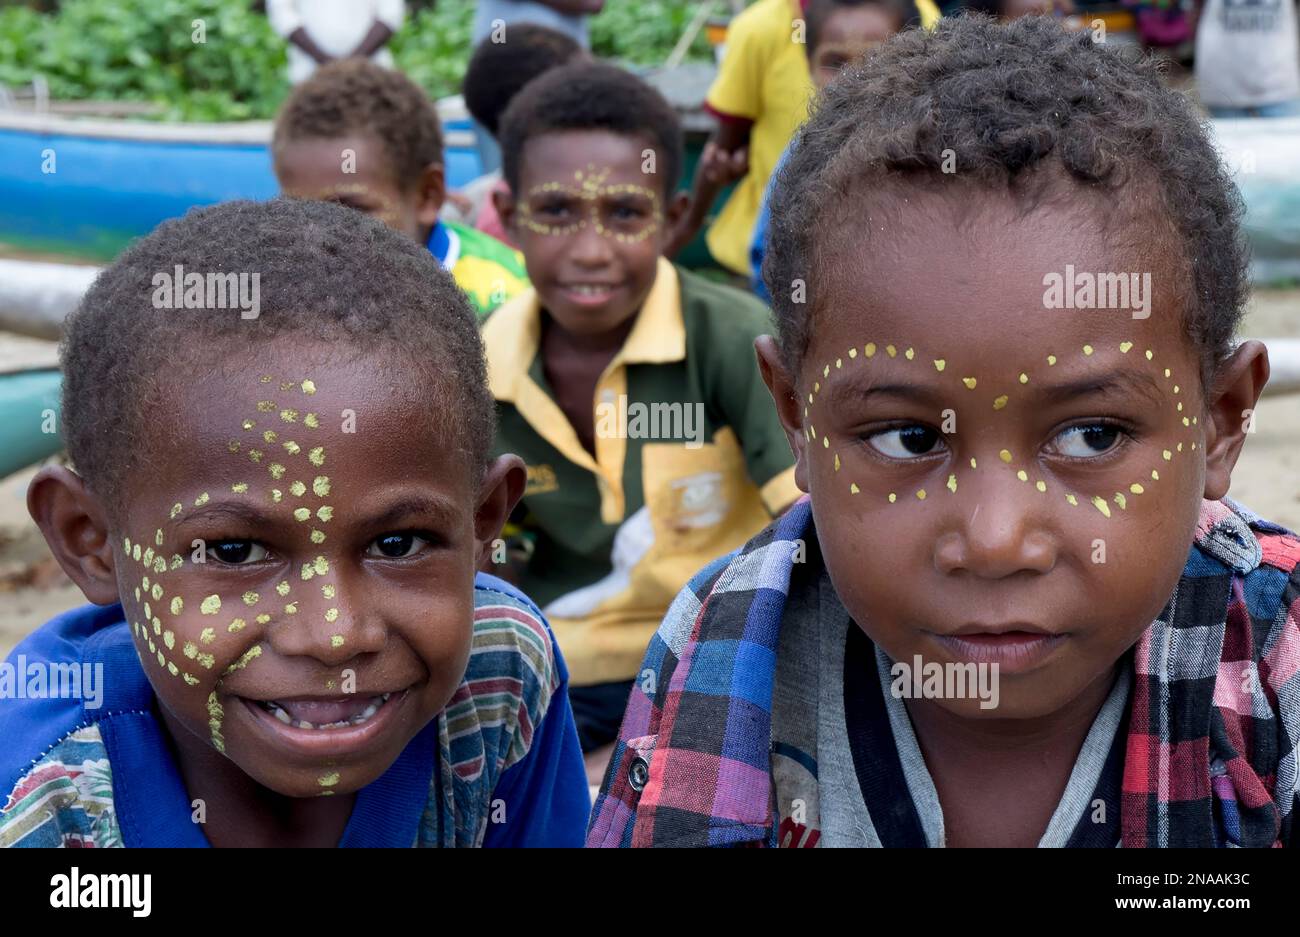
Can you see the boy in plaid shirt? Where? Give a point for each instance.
(1015, 607)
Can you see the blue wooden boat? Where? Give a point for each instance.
(86, 187)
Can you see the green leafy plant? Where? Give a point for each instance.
(143, 50)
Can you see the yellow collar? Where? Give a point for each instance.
(513, 333)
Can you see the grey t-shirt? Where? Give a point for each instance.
(1247, 53)
(526, 11)
(818, 793)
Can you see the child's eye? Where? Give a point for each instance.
(556, 209)
(905, 442)
(1086, 440)
(396, 546)
(235, 552)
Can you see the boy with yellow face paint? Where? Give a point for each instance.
(278, 513)
(627, 384)
(1015, 607)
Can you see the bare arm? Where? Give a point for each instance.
(303, 41)
(375, 39)
(724, 160)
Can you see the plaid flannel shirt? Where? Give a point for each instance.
(1211, 756)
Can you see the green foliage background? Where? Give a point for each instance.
(141, 50)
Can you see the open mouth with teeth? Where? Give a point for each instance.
(334, 713)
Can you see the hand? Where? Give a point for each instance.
(718, 167)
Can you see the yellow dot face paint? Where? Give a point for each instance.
(211, 605)
(336, 640)
(1000, 402)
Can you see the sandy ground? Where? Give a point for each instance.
(33, 588)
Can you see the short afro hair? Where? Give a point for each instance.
(592, 96)
(326, 273)
(497, 71)
(356, 97)
(1017, 103)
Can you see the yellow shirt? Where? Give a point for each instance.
(764, 78)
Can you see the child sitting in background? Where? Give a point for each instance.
(278, 518)
(368, 138)
(1015, 608)
(759, 98)
(495, 74)
(838, 33)
(629, 386)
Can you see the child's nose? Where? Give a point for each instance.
(331, 630)
(996, 532)
(589, 247)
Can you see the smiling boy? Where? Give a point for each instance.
(993, 483)
(627, 384)
(279, 522)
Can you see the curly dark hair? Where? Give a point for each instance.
(355, 96)
(326, 272)
(1020, 104)
(592, 96)
(497, 71)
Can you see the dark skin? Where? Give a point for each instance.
(314, 169)
(375, 39)
(591, 285)
(847, 34)
(386, 594)
(997, 551)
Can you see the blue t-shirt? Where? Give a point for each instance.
(94, 767)
(758, 246)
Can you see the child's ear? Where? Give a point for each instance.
(786, 397)
(503, 200)
(678, 204)
(503, 486)
(76, 528)
(432, 192)
(1230, 413)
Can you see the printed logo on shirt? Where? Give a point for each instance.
(698, 501)
(541, 480)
